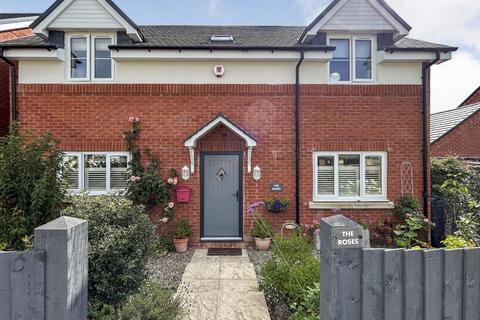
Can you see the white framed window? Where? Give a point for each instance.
(96, 172)
(350, 176)
(90, 58)
(352, 60)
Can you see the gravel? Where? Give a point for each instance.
(168, 269)
(277, 308)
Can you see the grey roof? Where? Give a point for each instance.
(414, 44)
(27, 42)
(199, 36)
(4, 16)
(443, 122)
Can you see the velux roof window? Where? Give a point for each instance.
(221, 39)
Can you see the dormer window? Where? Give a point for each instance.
(221, 39)
(352, 60)
(90, 58)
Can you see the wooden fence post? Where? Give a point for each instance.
(65, 241)
(341, 269)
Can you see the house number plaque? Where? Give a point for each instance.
(276, 187)
(347, 238)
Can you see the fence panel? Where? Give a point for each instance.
(396, 284)
(472, 284)
(372, 284)
(453, 267)
(414, 285)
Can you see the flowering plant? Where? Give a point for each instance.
(276, 205)
(262, 228)
(145, 186)
(314, 227)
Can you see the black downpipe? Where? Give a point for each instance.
(297, 136)
(13, 80)
(426, 144)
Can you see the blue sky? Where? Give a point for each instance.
(443, 21)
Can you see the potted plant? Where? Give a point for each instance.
(183, 230)
(262, 232)
(276, 205)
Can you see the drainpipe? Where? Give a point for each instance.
(297, 136)
(426, 138)
(13, 79)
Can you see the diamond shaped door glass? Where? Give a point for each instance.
(221, 175)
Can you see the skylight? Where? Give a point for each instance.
(221, 38)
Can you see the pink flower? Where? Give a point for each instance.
(408, 215)
(170, 180)
(131, 119)
(171, 205)
(137, 119)
(316, 232)
(164, 220)
(134, 178)
(426, 220)
(175, 181)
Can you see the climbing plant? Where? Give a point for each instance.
(145, 185)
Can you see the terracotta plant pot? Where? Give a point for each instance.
(263, 244)
(181, 245)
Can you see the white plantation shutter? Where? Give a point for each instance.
(326, 176)
(349, 175)
(95, 176)
(118, 178)
(373, 175)
(71, 163)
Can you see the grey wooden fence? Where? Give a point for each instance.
(50, 282)
(389, 284)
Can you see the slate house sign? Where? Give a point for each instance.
(347, 238)
(276, 187)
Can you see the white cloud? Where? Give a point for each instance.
(454, 80)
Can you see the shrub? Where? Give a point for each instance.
(262, 228)
(456, 242)
(31, 192)
(164, 244)
(308, 309)
(183, 229)
(406, 205)
(153, 302)
(121, 242)
(292, 272)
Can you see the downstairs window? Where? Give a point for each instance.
(346, 176)
(96, 172)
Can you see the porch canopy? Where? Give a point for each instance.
(191, 141)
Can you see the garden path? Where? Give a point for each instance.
(222, 288)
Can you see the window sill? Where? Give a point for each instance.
(351, 204)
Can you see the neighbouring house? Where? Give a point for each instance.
(12, 26)
(329, 115)
(456, 132)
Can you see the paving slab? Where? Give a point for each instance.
(222, 288)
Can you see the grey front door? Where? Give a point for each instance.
(221, 195)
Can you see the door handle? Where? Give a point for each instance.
(237, 195)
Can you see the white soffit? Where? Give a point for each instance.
(35, 54)
(215, 55)
(411, 56)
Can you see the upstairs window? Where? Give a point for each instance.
(350, 176)
(351, 60)
(90, 58)
(96, 172)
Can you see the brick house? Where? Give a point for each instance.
(456, 132)
(323, 115)
(12, 26)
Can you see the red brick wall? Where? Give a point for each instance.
(473, 98)
(463, 141)
(334, 118)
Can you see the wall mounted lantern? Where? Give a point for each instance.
(185, 173)
(257, 173)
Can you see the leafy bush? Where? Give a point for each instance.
(164, 244)
(406, 205)
(121, 242)
(262, 228)
(456, 242)
(293, 273)
(407, 235)
(308, 309)
(183, 229)
(31, 192)
(153, 302)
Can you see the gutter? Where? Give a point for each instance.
(297, 136)
(13, 79)
(426, 138)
